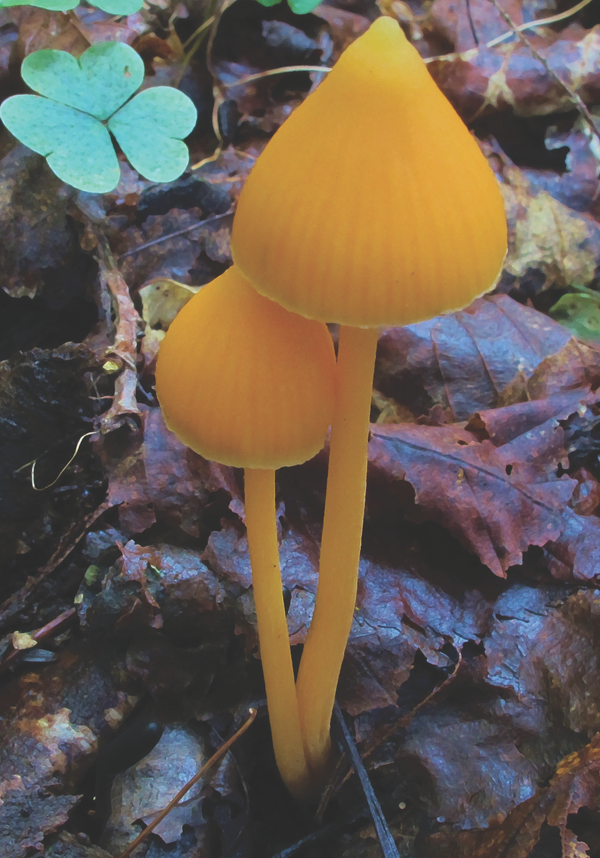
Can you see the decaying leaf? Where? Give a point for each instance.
(479, 358)
(497, 497)
(149, 785)
(484, 80)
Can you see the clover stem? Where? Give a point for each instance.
(340, 544)
(273, 631)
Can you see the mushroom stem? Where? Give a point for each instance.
(340, 544)
(259, 485)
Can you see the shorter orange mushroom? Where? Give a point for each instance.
(244, 382)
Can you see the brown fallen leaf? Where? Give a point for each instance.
(37, 243)
(171, 246)
(498, 500)
(448, 22)
(478, 358)
(27, 816)
(573, 786)
(157, 475)
(550, 244)
(68, 846)
(485, 80)
(145, 788)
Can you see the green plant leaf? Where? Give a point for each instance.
(78, 147)
(66, 126)
(302, 7)
(99, 82)
(118, 7)
(150, 129)
(580, 314)
(51, 5)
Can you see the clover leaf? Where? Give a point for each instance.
(113, 7)
(82, 102)
(299, 7)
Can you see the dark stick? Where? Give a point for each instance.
(384, 834)
(471, 23)
(179, 232)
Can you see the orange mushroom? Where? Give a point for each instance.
(372, 205)
(246, 383)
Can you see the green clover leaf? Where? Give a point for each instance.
(77, 147)
(81, 101)
(103, 78)
(161, 114)
(299, 7)
(113, 7)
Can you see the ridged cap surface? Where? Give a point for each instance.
(244, 382)
(372, 205)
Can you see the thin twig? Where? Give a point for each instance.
(388, 845)
(208, 765)
(269, 72)
(51, 628)
(472, 23)
(542, 22)
(179, 232)
(581, 106)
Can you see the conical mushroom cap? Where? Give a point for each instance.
(372, 205)
(244, 382)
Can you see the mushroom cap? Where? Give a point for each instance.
(244, 382)
(372, 204)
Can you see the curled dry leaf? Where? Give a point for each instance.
(550, 244)
(123, 351)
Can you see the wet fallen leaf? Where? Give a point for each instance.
(479, 358)
(148, 786)
(484, 80)
(498, 499)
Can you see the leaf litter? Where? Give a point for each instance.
(471, 675)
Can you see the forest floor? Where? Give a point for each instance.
(472, 678)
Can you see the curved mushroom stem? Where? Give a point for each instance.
(273, 631)
(340, 544)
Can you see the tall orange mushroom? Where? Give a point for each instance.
(372, 205)
(246, 383)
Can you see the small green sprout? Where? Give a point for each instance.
(113, 7)
(81, 100)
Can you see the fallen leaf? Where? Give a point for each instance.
(27, 816)
(498, 500)
(149, 785)
(475, 359)
(485, 80)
